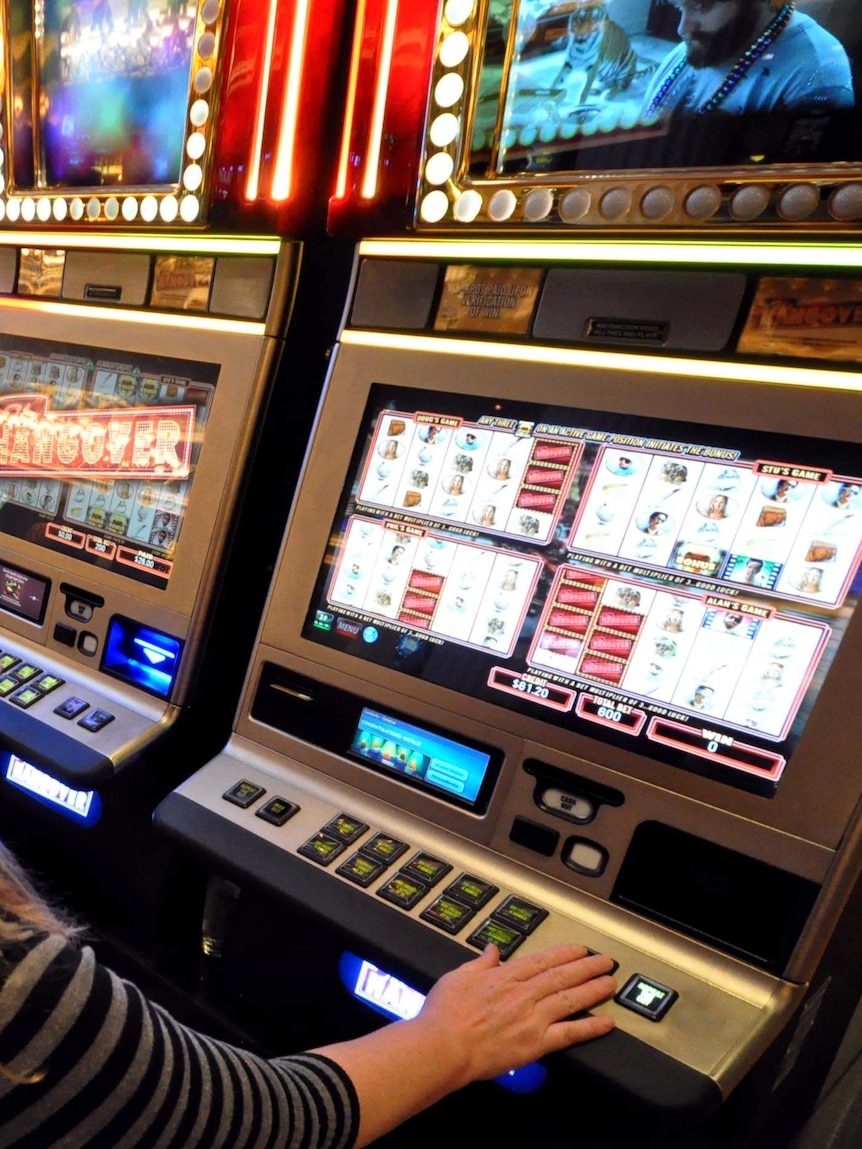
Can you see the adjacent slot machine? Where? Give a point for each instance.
(159, 168)
(562, 643)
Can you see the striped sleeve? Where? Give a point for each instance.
(91, 1062)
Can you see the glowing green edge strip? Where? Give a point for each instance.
(694, 369)
(193, 245)
(830, 257)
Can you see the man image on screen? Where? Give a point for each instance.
(749, 57)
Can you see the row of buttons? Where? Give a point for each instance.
(450, 911)
(24, 683)
(507, 926)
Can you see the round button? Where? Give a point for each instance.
(616, 203)
(501, 205)
(749, 202)
(703, 202)
(657, 204)
(575, 205)
(434, 206)
(846, 203)
(467, 206)
(799, 201)
(538, 204)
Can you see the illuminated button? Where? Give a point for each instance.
(426, 868)
(96, 720)
(384, 848)
(277, 811)
(584, 856)
(322, 848)
(647, 997)
(7, 661)
(360, 869)
(345, 828)
(243, 793)
(26, 671)
(79, 608)
(25, 697)
(799, 201)
(8, 684)
(48, 682)
(519, 914)
(845, 203)
(472, 890)
(71, 708)
(504, 937)
(403, 891)
(448, 914)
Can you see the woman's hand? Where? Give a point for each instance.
(492, 1017)
(483, 1019)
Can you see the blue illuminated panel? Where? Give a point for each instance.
(141, 656)
(397, 1000)
(424, 757)
(82, 806)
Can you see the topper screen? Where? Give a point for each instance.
(111, 88)
(624, 84)
(98, 450)
(673, 589)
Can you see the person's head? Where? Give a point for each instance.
(716, 31)
(656, 519)
(753, 567)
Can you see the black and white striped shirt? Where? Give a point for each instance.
(115, 1071)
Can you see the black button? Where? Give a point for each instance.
(243, 793)
(448, 914)
(384, 848)
(504, 937)
(426, 868)
(360, 869)
(346, 828)
(532, 836)
(95, 720)
(71, 708)
(277, 811)
(65, 635)
(521, 915)
(647, 997)
(322, 848)
(472, 890)
(403, 891)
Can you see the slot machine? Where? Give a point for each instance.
(158, 180)
(561, 643)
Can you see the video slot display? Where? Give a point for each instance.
(98, 451)
(631, 84)
(111, 89)
(660, 586)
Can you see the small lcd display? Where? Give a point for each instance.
(674, 589)
(98, 449)
(111, 92)
(639, 84)
(421, 756)
(23, 593)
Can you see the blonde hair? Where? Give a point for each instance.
(23, 910)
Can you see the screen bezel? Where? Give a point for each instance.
(648, 390)
(608, 195)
